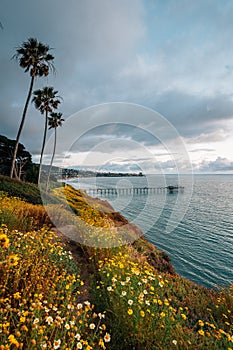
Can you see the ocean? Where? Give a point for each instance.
(194, 227)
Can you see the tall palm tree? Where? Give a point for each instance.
(33, 57)
(55, 120)
(45, 100)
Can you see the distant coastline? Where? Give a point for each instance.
(73, 173)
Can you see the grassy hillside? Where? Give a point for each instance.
(70, 296)
(25, 190)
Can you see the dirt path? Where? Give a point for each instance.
(82, 262)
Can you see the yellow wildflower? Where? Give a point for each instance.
(13, 340)
(142, 313)
(22, 319)
(12, 259)
(161, 283)
(130, 311)
(212, 325)
(17, 295)
(4, 241)
(135, 270)
(201, 323)
(101, 344)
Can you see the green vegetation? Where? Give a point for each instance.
(25, 169)
(20, 215)
(25, 190)
(40, 296)
(152, 310)
(101, 295)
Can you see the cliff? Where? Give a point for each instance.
(85, 207)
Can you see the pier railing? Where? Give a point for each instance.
(133, 190)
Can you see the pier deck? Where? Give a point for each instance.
(133, 190)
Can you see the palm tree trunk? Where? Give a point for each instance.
(43, 145)
(51, 163)
(21, 126)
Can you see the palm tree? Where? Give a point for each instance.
(33, 57)
(55, 120)
(45, 100)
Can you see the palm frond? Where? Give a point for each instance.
(34, 56)
(46, 99)
(55, 120)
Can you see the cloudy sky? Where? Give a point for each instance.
(173, 57)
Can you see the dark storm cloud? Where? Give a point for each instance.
(192, 114)
(90, 40)
(177, 61)
(124, 133)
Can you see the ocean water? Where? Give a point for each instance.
(195, 227)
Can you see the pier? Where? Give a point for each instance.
(133, 190)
